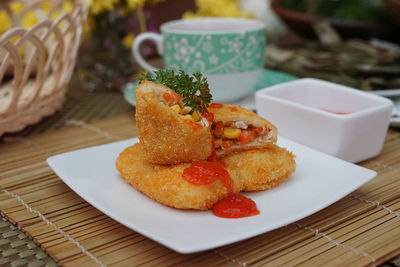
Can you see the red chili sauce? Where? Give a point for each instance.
(206, 172)
(215, 105)
(235, 206)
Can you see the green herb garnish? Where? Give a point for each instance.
(193, 89)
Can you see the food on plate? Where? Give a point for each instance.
(261, 169)
(172, 118)
(194, 154)
(235, 206)
(237, 129)
(177, 185)
(177, 122)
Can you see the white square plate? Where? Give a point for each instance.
(319, 181)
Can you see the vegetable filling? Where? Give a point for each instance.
(225, 135)
(173, 100)
(236, 133)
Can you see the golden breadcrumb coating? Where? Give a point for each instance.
(230, 113)
(166, 136)
(261, 169)
(164, 183)
(250, 171)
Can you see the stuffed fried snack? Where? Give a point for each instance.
(165, 184)
(261, 169)
(249, 170)
(238, 129)
(170, 132)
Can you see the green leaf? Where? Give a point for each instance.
(193, 89)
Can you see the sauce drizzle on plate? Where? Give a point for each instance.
(206, 172)
(235, 206)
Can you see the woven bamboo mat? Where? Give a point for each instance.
(18, 250)
(360, 229)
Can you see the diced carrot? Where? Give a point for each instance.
(257, 131)
(175, 98)
(166, 96)
(219, 129)
(195, 126)
(227, 144)
(172, 98)
(208, 115)
(245, 137)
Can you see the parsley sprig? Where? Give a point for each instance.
(193, 89)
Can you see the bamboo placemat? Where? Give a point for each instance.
(16, 248)
(360, 229)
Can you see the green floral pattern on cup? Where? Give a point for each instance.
(214, 53)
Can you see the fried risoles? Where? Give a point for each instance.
(261, 169)
(166, 137)
(250, 171)
(230, 113)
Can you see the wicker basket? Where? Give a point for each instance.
(36, 64)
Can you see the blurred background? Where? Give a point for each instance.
(352, 42)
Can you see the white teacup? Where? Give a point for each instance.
(228, 51)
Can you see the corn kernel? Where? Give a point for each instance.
(189, 117)
(196, 116)
(232, 133)
(186, 109)
(177, 108)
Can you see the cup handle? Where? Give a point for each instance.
(157, 38)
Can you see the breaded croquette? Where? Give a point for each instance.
(238, 129)
(164, 183)
(169, 132)
(250, 171)
(261, 169)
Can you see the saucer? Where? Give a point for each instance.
(267, 78)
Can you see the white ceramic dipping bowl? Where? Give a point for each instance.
(335, 119)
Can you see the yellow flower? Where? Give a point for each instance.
(128, 40)
(220, 8)
(68, 6)
(132, 4)
(5, 22)
(55, 14)
(29, 20)
(16, 7)
(99, 6)
(46, 6)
